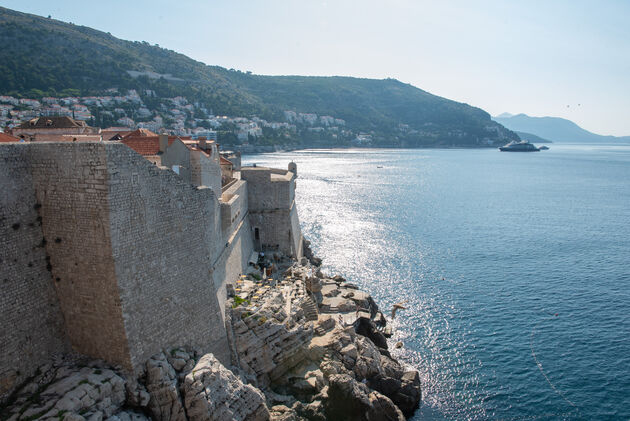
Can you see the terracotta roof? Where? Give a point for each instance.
(114, 134)
(5, 138)
(53, 122)
(146, 145)
(225, 161)
(141, 133)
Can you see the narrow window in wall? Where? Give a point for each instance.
(256, 234)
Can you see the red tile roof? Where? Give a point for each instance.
(5, 138)
(226, 161)
(147, 145)
(141, 133)
(56, 122)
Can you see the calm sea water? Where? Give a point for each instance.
(515, 270)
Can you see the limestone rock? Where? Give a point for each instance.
(72, 392)
(283, 413)
(354, 401)
(165, 403)
(127, 415)
(214, 393)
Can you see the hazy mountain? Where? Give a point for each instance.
(45, 57)
(531, 137)
(553, 128)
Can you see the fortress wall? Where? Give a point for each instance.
(272, 210)
(70, 182)
(233, 207)
(164, 234)
(31, 324)
(237, 237)
(267, 191)
(297, 239)
(206, 172)
(233, 261)
(279, 230)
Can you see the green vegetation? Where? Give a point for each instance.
(238, 301)
(44, 57)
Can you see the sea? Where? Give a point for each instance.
(514, 269)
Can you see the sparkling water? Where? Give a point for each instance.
(514, 268)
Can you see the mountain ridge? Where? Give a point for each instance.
(82, 61)
(556, 129)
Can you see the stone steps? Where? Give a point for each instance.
(310, 309)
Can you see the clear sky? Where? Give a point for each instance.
(564, 58)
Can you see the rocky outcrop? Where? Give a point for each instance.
(214, 393)
(176, 386)
(333, 366)
(351, 400)
(305, 347)
(75, 390)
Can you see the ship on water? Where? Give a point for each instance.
(522, 146)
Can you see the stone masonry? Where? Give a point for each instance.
(108, 255)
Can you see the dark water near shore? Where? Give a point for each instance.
(515, 268)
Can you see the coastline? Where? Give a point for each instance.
(304, 345)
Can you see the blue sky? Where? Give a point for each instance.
(536, 57)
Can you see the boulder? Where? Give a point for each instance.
(214, 393)
(165, 403)
(365, 327)
(76, 393)
(353, 401)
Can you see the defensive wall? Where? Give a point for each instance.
(272, 211)
(32, 326)
(109, 255)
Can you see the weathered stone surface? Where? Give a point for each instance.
(212, 392)
(92, 392)
(351, 400)
(165, 403)
(283, 413)
(366, 327)
(293, 358)
(127, 415)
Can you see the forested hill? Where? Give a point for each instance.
(45, 57)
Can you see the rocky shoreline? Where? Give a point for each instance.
(305, 346)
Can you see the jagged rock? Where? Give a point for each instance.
(354, 401)
(313, 284)
(339, 279)
(366, 327)
(165, 403)
(137, 395)
(125, 416)
(214, 393)
(76, 393)
(405, 392)
(409, 395)
(283, 413)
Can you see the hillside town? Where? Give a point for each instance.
(118, 112)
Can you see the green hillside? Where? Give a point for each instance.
(46, 57)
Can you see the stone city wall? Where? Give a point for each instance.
(124, 252)
(165, 233)
(31, 324)
(272, 211)
(206, 171)
(268, 189)
(233, 206)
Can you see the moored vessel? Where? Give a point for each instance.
(522, 146)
